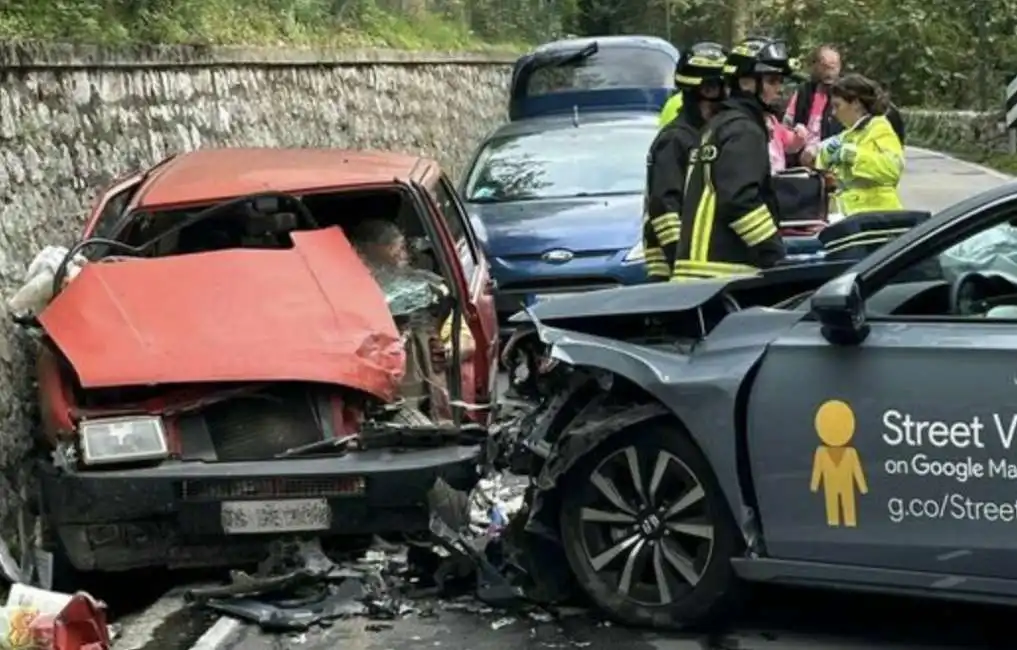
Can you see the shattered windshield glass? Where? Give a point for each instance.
(408, 291)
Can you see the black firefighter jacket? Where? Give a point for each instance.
(667, 165)
(729, 210)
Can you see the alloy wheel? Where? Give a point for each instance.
(646, 525)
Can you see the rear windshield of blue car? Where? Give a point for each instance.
(615, 67)
(591, 160)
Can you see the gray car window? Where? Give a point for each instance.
(993, 250)
(591, 160)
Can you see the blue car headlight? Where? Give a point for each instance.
(635, 255)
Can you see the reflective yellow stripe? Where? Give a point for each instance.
(705, 62)
(702, 228)
(689, 81)
(864, 238)
(683, 277)
(666, 226)
(686, 269)
(755, 227)
(722, 268)
(656, 263)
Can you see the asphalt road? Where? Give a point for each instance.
(933, 181)
(776, 619)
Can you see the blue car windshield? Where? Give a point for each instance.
(589, 160)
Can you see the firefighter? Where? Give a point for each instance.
(699, 77)
(729, 207)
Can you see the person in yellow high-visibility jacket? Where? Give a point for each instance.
(672, 107)
(867, 159)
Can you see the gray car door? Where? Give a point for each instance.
(897, 453)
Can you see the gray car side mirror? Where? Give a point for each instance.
(840, 309)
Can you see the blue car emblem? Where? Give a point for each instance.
(558, 256)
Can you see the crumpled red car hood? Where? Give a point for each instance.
(310, 313)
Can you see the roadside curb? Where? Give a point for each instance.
(223, 634)
(966, 163)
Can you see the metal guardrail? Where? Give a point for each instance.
(1010, 117)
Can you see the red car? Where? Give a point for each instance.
(227, 369)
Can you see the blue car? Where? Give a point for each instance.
(556, 195)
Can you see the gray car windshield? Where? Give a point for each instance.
(590, 160)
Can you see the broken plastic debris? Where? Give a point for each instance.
(37, 291)
(39, 619)
(502, 622)
(495, 500)
(8, 565)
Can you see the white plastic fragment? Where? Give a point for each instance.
(37, 290)
(26, 605)
(502, 622)
(494, 501)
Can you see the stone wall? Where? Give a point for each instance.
(963, 131)
(71, 119)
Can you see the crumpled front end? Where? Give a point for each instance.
(199, 403)
(309, 313)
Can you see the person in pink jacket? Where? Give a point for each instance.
(784, 140)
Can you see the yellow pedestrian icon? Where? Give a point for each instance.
(836, 465)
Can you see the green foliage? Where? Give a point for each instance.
(403, 24)
(931, 53)
(1005, 163)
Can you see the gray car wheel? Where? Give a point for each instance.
(647, 531)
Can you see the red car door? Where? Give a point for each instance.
(479, 372)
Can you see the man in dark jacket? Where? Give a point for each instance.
(729, 210)
(810, 104)
(700, 79)
(811, 107)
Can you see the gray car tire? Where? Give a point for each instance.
(699, 581)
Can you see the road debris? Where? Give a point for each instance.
(502, 622)
(466, 565)
(39, 282)
(39, 619)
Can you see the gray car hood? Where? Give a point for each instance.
(671, 297)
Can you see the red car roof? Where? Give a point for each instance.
(208, 175)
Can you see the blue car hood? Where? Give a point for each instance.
(524, 228)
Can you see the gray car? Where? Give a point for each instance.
(829, 425)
